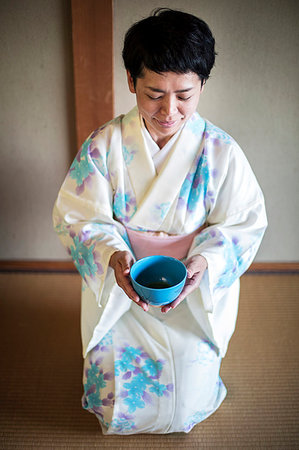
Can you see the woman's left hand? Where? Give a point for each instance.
(196, 266)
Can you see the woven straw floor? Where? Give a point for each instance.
(41, 366)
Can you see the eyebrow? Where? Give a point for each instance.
(163, 92)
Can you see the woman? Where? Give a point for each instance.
(159, 180)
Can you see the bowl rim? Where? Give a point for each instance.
(163, 256)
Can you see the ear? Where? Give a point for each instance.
(131, 83)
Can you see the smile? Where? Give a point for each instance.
(166, 124)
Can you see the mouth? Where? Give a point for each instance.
(166, 124)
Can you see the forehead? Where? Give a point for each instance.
(168, 80)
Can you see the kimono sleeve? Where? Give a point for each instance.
(83, 215)
(236, 225)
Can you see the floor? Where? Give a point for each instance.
(41, 366)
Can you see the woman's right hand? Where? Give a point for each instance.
(121, 262)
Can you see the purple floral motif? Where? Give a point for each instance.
(128, 154)
(96, 381)
(82, 168)
(236, 257)
(161, 210)
(123, 423)
(87, 162)
(194, 420)
(99, 162)
(62, 229)
(98, 131)
(141, 374)
(105, 343)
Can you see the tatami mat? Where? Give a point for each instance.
(41, 366)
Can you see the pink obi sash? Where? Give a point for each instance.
(145, 244)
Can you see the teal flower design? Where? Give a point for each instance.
(62, 229)
(142, 379)
(130, 353)
(158, 389)
(196, 125)
(216, 133)
(82, 166)
(128, 155)
(193, 420)
(83, 258)
(237, 260)
(123, 366)
(133, 403)
(160, 210)
(94, 383)
(199, 186)
(143, 372)
(135, 388)
(138, 385)
(94, 401)
(122, 424)
(124, 205)
(105, 342)
(153, 367)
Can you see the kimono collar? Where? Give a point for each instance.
(157, 194)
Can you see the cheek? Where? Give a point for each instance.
(147, 108)
(190, 108)
(187, 110)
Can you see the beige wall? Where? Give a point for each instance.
(36, 123)
(253, 94)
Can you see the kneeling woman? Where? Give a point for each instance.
(159, 180)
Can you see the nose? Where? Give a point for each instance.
(169, 106)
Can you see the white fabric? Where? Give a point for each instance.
(158, 155)
(134, 370)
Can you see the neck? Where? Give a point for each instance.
(159, 141)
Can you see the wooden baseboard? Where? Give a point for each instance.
(38, 266)
(68, 267)
(274, 267)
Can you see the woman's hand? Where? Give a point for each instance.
(196, 266)
(122, 262)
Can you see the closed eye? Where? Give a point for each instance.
(184, 98)
(154, 98)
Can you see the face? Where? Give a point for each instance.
(166, 101)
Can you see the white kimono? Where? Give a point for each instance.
(147, 371)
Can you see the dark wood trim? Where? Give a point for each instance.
(274, 267)
(38, 266)
(68, 267)
(92, 29)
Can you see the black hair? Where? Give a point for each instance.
(169, 41)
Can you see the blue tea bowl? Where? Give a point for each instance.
(158, 279)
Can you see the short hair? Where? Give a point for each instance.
(169, 41)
